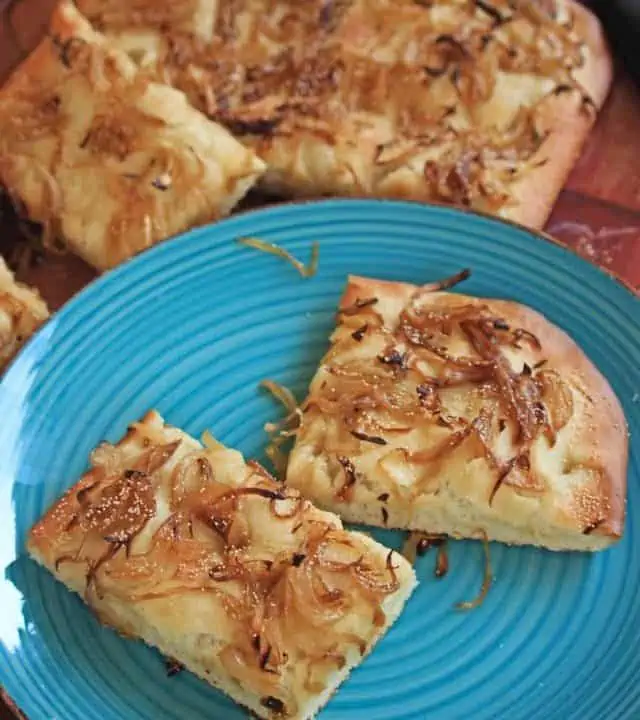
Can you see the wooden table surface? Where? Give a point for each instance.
(598, 213)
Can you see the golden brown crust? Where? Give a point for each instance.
(22, 312)
(215, 563)
(597, 72)
(602, 437)
(104, 158)
(569, 123)
(549, 427)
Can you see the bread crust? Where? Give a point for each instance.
(574, 497)
(569, 122)
(107, 160)
(22, 312)
(171, 581)
(602, 436)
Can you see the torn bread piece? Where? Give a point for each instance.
(22, 311)
(484, 105)
(451, 414)
(222, 568)
(105, 159)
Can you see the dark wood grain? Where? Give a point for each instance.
(28, 21)
(602, 232)
(609, 168)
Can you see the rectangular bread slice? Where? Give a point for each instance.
(107, 160)
(22, 311)
(445, 413)
(220, 567)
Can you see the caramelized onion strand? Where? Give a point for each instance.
(486, 582)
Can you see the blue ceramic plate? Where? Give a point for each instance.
(190, 328)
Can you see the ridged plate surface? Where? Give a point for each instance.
(190, 328)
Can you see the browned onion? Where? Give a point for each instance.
(522, 334)
(346, 490)
(156, 457)
(442, 561)
(351, 639)
(81, 495)
(359, 306)
(238, 534)
(276, 456)
(418, 542)
(420, 339)
(192, 476)
(219, 513)
(557, 398)
(428, 395)
(326, 662)
(67, 559)
(374, 584)
(338, 555)
(446, 283)
(92, 583)
(445, 446)
(123, 509)
(504, 470)
(241, 667)
(486, 582)
(320, 604)
(281, 431)
(281, 393)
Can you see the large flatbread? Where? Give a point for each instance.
(105, 159)
(481, 104)
(445, 413)
(22, 311)
(212, 561)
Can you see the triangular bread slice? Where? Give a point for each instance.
(222, 568)
(445, 413)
